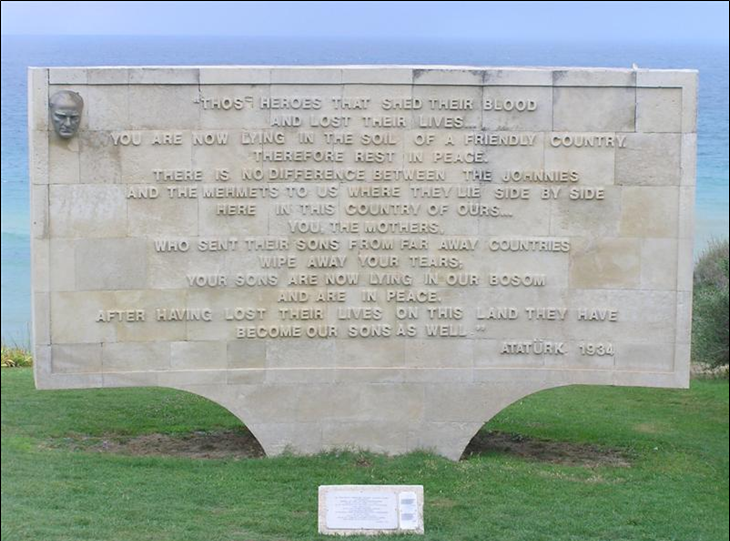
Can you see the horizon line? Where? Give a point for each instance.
(662, 41)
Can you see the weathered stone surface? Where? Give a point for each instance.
(359, 256)
(585, 108)
(659, 110)
(111, 264)
(649, 159)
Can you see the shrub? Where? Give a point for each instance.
(711, 268)
(13, 356)
(710, 320)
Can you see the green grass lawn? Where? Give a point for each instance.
(675, 489)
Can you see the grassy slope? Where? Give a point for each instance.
(677, 488)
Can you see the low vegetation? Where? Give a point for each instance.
(15, 356)
(578, 463)
(711, 308)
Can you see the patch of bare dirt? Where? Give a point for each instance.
(363, 462)
(554, 452)
(225, 444)
(232, 444)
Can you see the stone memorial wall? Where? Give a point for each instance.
(373, 257)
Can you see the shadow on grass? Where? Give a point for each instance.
(542, 450)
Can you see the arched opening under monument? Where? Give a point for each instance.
(555, 426)
(525, 430)
(155, 422)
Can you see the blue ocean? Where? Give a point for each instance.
(20, 52)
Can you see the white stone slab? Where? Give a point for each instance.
(370, 509)
(361, 257)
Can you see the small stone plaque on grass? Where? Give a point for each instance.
(370, 509)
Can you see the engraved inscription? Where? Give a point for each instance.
(389, 255)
